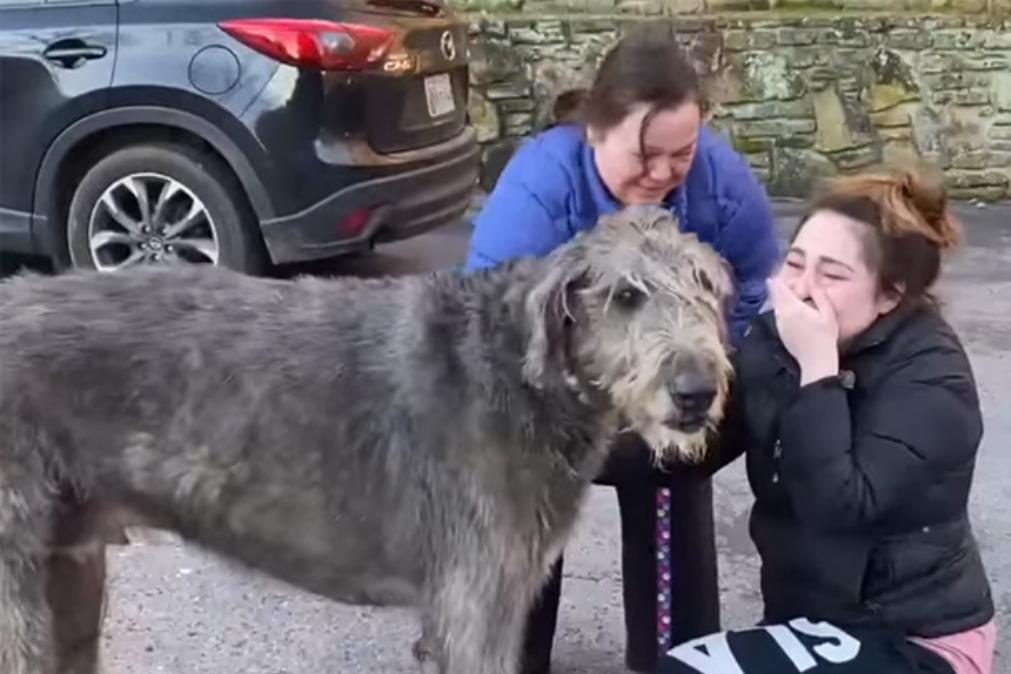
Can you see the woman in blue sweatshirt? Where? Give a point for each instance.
(638, 137)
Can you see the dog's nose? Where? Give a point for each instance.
(693, 392)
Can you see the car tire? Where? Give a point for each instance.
(201, 175)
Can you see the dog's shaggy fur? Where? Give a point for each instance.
(423, 440)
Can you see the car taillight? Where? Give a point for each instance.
(311, 43)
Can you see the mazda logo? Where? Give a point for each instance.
(448, 46)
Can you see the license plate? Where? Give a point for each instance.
(439, 94)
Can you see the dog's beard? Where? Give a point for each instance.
(669, 445)
(645, 412)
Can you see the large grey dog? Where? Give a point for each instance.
(421, 440)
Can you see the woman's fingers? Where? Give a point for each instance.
(825, 307)
(784, 299)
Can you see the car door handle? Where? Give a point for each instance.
(73, 53)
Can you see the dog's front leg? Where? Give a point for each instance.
(428, 649)
(481, 617)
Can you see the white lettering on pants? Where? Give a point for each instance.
(712, 655)
(846, 648)
(792, 647)
(716, 657)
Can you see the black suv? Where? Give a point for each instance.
(230, 132)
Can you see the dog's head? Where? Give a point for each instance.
(632, 313)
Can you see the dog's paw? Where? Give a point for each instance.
(426, 659)
(429, 667)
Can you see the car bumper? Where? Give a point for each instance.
(400, 206)
(16, 233)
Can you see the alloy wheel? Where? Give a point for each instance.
(148, 218)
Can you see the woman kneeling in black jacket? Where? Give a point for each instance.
(858, 411)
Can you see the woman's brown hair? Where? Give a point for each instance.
(908, 224)
(641, 69)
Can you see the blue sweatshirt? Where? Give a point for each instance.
(550, 190)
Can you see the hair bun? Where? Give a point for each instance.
(926, 194)
(910, 201)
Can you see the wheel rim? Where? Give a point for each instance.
(147, 218)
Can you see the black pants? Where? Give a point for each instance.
(668, 549)
(802, 646)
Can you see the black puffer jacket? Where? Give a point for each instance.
(862, 481)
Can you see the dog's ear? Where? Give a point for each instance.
(552, 307)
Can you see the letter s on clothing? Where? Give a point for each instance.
(709, 655)
(845, 649)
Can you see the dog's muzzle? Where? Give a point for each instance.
(693, 393)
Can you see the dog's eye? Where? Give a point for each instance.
(629, 298)
(706, 282)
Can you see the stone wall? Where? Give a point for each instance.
(802, 94)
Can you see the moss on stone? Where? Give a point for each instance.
(749, 145)
(797, 171)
